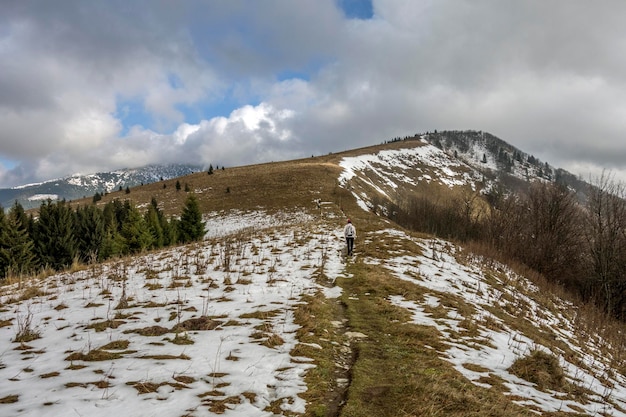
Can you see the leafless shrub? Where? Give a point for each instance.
(25, 331)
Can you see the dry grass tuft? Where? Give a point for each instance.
(261, 315)
(95, 355)
(9, 399)
(150, 331)
(106, 324)
(182, 339)
(200, 323)
(222, 405)
(146, 387)
(185, 379)
(542, 369)
(116, 345)
(165, 357)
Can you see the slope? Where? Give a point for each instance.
(267, 317)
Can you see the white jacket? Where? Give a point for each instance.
(349, 230)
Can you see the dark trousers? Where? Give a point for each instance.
(350, 243)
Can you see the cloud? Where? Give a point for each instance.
(89, 86)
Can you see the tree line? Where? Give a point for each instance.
(580, 245)
(60, 235)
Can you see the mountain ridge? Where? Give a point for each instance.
(86, 185)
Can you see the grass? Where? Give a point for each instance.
(9, 399)
(103, 353)
(321, 341)
(398, 370)
(542, 369)
(146, 387)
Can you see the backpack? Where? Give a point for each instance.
(350, 231)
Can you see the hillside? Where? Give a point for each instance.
(267, 317)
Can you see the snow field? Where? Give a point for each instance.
(499, 344)
(244, 286)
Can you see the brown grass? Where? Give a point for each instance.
(106, 324)
(116, 345)
(9, 399)
(540, 368)
(165, 357)
(219, 406)
(185, 379)
(96, 355)
(398, 370)
(150, 331)
(200, 323)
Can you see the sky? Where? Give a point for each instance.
(96, 86)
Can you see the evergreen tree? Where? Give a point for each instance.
(112, 244)
(54, 235)
(90, 229)
(18, 212)
(17, 250)
(135, 232)
(3, 226)
(154, 220)
(177, 185)
(191, 226)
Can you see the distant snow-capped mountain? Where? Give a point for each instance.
(79, 186)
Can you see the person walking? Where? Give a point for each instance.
(350, 234)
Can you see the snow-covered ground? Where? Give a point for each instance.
(390, 168)
(498, 344)
(231, 297)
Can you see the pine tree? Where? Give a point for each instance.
(154, 220)
(191, 226)
(18, 212)
(90, 231)
(112, 245)
(54, 235)
(17, 250)
(3, 226)
(135, 232)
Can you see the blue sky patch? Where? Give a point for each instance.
(357, 9)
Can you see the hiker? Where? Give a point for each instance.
(350, 233)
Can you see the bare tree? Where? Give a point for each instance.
(606, 243)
